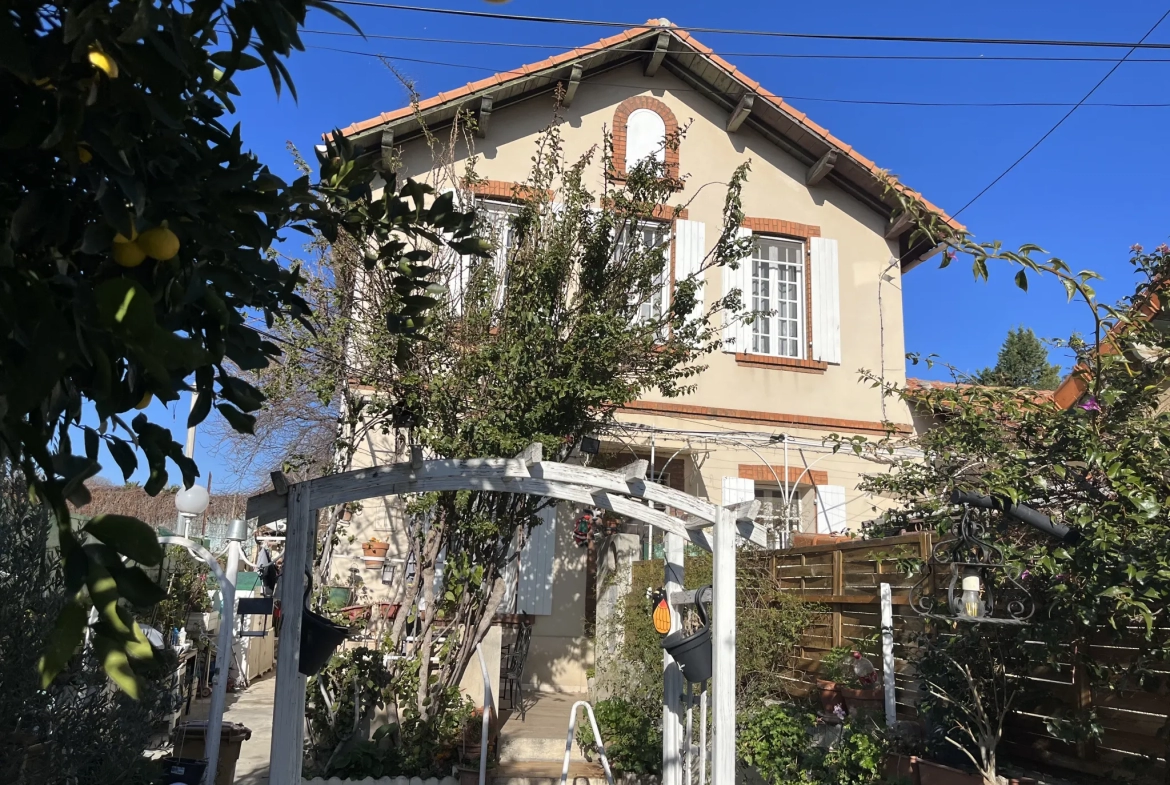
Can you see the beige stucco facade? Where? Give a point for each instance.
(763, 426)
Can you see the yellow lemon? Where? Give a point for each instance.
(121, 238)
(128, 254)
(84, 155)
(159, 243)
(146, 399)
(103, 62)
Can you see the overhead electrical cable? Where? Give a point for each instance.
(919, 39)
(1060, 122)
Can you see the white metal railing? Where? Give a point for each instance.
(569, 742)
(489, 708)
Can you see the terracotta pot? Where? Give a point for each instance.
(898, 768)
(375, 549)
(830, 695)
(863, 701)
(927, 773)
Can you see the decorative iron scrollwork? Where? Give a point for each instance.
(980, 586)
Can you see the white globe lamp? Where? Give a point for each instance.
(191, 502)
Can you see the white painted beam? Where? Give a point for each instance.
(723, 649)
(661, 45)
(741, 112)
(672, 678)
(820, 170)
(288, 713)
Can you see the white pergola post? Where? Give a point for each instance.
(672, 679)
(723, 647)
(288, 714)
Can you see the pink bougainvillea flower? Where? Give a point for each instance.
(1136, 248)
(1163, 248)
(1091, 405)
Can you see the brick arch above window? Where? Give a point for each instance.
(621, 117)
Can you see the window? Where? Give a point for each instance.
(651, 236)
(498, 218)
(777, 297)
(645, 138)
(776, 516)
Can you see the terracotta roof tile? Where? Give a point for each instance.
(653, 25)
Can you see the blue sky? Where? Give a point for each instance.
(1095, 187)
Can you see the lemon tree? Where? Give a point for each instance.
(135, 254)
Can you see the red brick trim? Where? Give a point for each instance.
(501, 189)
(802, 232)
(784, 228)
(760, 472)
(780, 363)
(766, 418)
(622, 115)
(661, 212)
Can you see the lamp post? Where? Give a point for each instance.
(191, 502)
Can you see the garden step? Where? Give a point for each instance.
(548, 773)
(515, 749)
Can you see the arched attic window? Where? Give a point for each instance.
(645, 137)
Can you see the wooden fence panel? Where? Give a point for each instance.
(845, 576)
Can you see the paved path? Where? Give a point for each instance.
(252, 708)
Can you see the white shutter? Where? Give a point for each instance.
(537, 559)
(460, 265)
(826, 301)
(508, 602)
(735, 335)
(737, 489)
(689, 252)
(831, 518)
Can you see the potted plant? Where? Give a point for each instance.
(374, 551)
(850, 679)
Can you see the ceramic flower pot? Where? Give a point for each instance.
(928, 773)
(860, 702)
(831, 698)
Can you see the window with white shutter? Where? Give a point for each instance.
(689, 252)
(831, 510)
(647, 236)
(826, 300)
(735, 330)
(537, 565)
(645, 138)
(737, 489)
(776, 296)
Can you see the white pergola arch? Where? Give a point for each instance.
(625, 491)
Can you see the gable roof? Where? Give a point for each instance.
(700, 68)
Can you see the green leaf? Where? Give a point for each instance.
(125, 307)
(124, 456)
(137, 587)
(240, 422)
(128, 536)
(1022, 280)
(117, 665)
(241, 61)
(62, 642)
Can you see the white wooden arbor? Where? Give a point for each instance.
(625, 492)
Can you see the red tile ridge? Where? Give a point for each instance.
(626, 35)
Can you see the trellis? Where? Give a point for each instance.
(625, 491)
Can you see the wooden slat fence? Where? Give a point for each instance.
(844, 576)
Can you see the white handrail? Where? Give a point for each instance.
(596, 737)
(488, 709)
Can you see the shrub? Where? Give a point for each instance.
(775, 740)
(632, 735)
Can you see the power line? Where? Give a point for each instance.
(764, 33)
(855, 101)
(1060, 122)
(776, 55)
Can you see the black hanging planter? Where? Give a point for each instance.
(692, 652)
(319, 637)
(183, 771)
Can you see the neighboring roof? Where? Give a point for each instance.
(930, 385)
(1148, 308)
(702, 69)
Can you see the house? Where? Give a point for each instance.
(830, 250)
